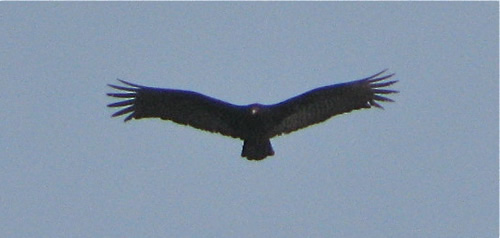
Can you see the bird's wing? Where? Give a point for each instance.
(320, 104)
(183, 107)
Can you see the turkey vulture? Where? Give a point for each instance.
(255, 124)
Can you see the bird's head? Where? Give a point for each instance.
(255, 108)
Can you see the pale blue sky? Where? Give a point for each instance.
(426, 166)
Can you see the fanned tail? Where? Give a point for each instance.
(257, 149)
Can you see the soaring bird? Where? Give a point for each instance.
(255, 124)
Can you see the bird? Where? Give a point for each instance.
(255, 123)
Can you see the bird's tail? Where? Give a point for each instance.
(257, 149)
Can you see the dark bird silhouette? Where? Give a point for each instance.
(255, 124)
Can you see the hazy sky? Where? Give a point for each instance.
(426, 166)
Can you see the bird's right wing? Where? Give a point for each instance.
(183, 107)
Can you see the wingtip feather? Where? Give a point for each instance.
(129, 117)
(384, 91)
(123, 111)
(375, 104)
(373, 80)
(122, 88)
(383, 84)
(384, 99)
(121, 95)
(122, 103)
(130, 84)
(375, 75)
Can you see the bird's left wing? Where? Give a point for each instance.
(183, 107)
(318, 105)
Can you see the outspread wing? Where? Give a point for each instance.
(320, 104)
(183, 107)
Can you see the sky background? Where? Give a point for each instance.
(426, 166)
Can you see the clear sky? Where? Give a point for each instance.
(426, 166)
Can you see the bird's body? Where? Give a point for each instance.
(255, 124)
